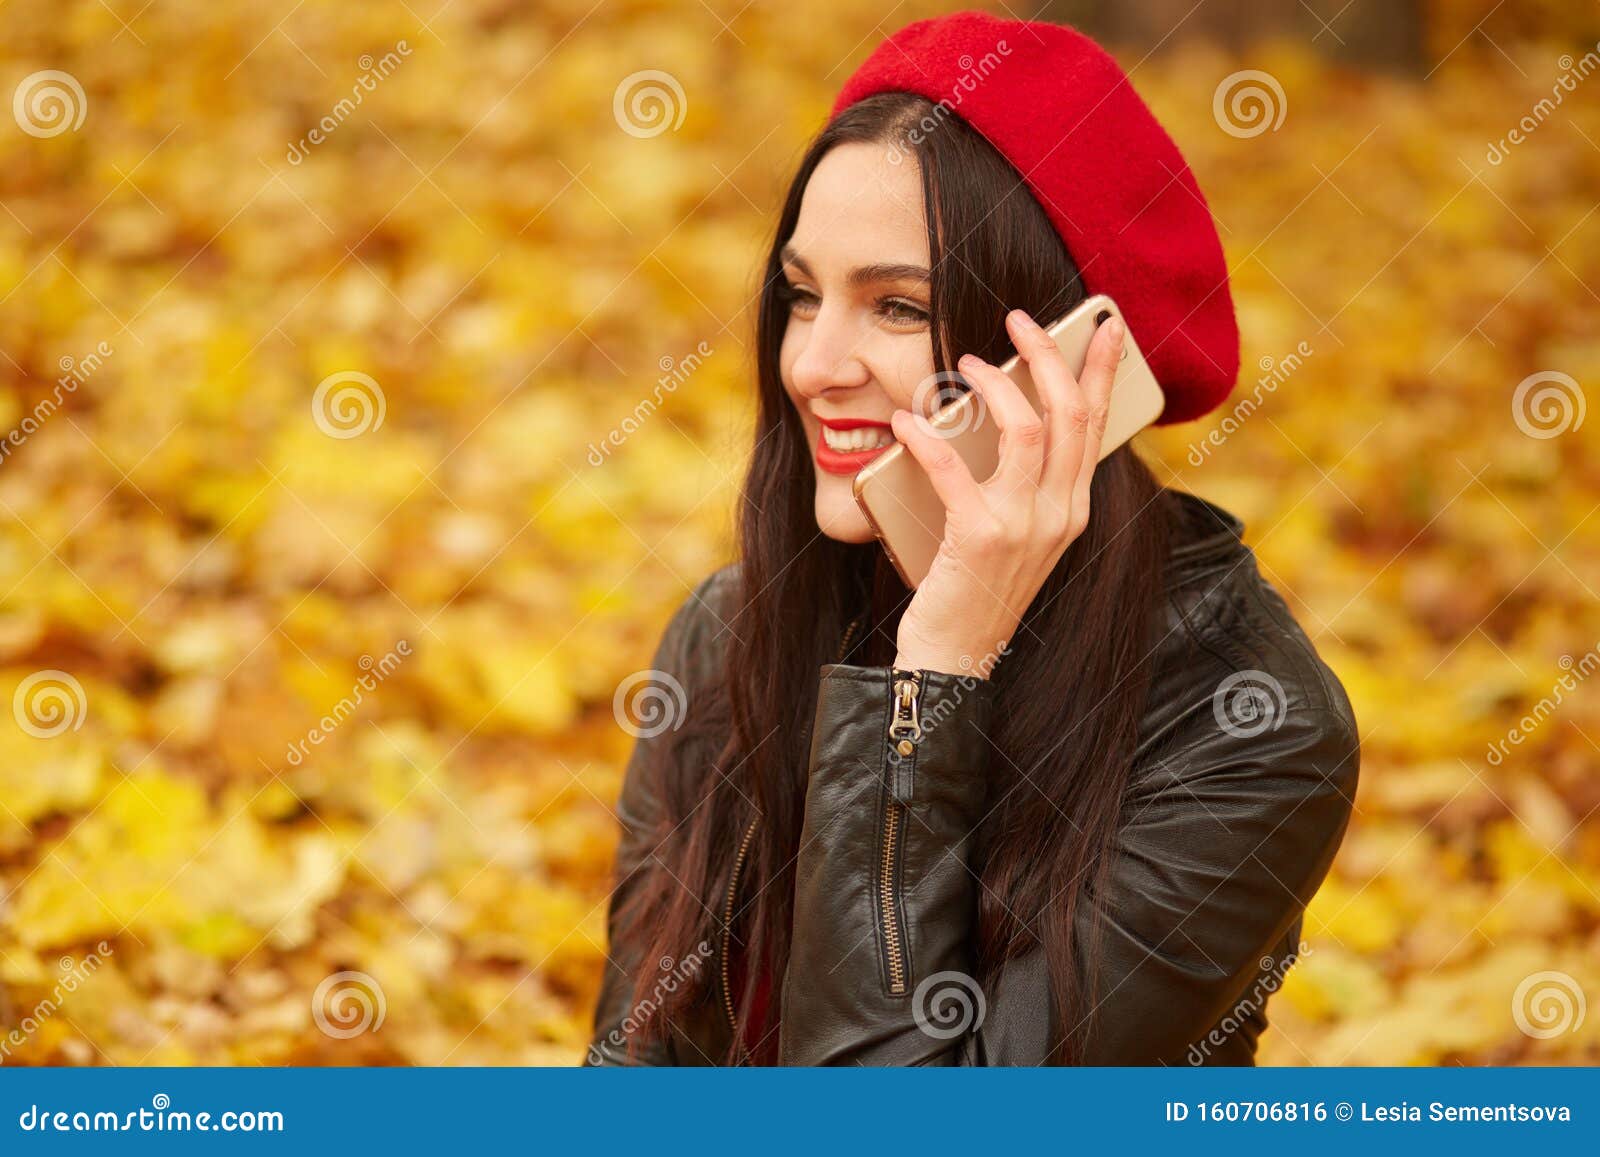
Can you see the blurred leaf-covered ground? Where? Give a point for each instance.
(317, 581)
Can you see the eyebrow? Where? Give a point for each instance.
(861, 274)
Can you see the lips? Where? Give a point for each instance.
(845, 445)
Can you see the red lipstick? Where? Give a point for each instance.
(847, 462)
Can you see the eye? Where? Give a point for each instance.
(902, 312)
(795, 298)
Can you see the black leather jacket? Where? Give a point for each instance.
(1243, 784)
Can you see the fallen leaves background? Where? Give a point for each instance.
(255, 788)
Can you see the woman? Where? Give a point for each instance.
(1066, 801)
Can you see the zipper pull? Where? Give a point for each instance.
(905, 729)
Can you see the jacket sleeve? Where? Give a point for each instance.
(638, 810)
(1222, 845)
(880, 960)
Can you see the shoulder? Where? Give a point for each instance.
(703, 622)
(1236, 675)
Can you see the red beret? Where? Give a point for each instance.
(1060, 109)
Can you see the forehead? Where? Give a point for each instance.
(858, 207)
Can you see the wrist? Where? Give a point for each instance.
(962, 664)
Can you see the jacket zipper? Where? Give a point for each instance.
(738, 865)
(905, 728)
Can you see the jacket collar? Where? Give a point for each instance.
(1207, 535)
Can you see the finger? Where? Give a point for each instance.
(1098, 378)
(1022, 429)
(1060, 396)
(952, 481)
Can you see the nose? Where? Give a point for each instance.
(829, 358)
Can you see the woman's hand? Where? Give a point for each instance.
(1003, 536)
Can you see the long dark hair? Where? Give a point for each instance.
(1069, 692)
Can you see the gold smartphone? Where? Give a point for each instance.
(893, 491)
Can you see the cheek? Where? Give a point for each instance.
(908, 382)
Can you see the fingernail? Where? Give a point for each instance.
(968, 361)
(1117, 329)
(1021, 316)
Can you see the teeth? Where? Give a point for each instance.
(861, 438)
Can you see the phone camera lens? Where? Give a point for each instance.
(1102, 317)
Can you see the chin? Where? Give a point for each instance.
(843, 522)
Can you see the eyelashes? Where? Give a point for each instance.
(895, 310)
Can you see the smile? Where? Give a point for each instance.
(844, 447)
